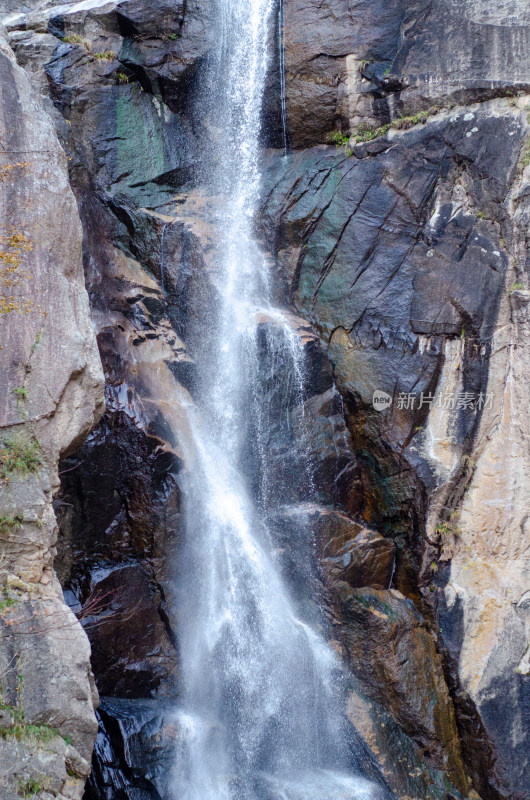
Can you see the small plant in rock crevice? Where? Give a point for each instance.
(365, 133)
(9, 522)
(524, 160)
(446, 529)
(36, 734)
(20, 456)
(404, 123)
(122, 78)
(108, 55)
(74, 38)
(7, 601)
(28, 788)
(338, 138)
(448, 533)
(38, 337)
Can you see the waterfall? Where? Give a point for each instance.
(259, 717)
(281, 60)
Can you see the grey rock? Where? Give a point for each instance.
(49, 349)
(402, 256)
(351, 64)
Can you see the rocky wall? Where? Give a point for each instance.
(402, 252)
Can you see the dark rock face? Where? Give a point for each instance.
(389, 254)
(131, 653)
(392, 653)
(120, 503)
(134, 751)
(356, 63)
(379, 225)
(398, 253)
(305, 436)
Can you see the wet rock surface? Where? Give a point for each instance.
(134, 750)
(415, 320)
(393, 654)
(357, 555)
(119, 507)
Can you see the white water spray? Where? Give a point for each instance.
(260, 717)
(283, 88)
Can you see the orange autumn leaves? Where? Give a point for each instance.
(14, 245)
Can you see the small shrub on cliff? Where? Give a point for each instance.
(7, 601)
(74, 38)
(28, 788)
(19, 456)
(122, 78)
(338, 137)
(10, 522)
(108, 55)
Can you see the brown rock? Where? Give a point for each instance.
(394, 656)
(359, 556)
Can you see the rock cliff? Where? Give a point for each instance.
(52, 395)
(398, 230)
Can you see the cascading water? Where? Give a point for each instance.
(283, 88)
(259, 718)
